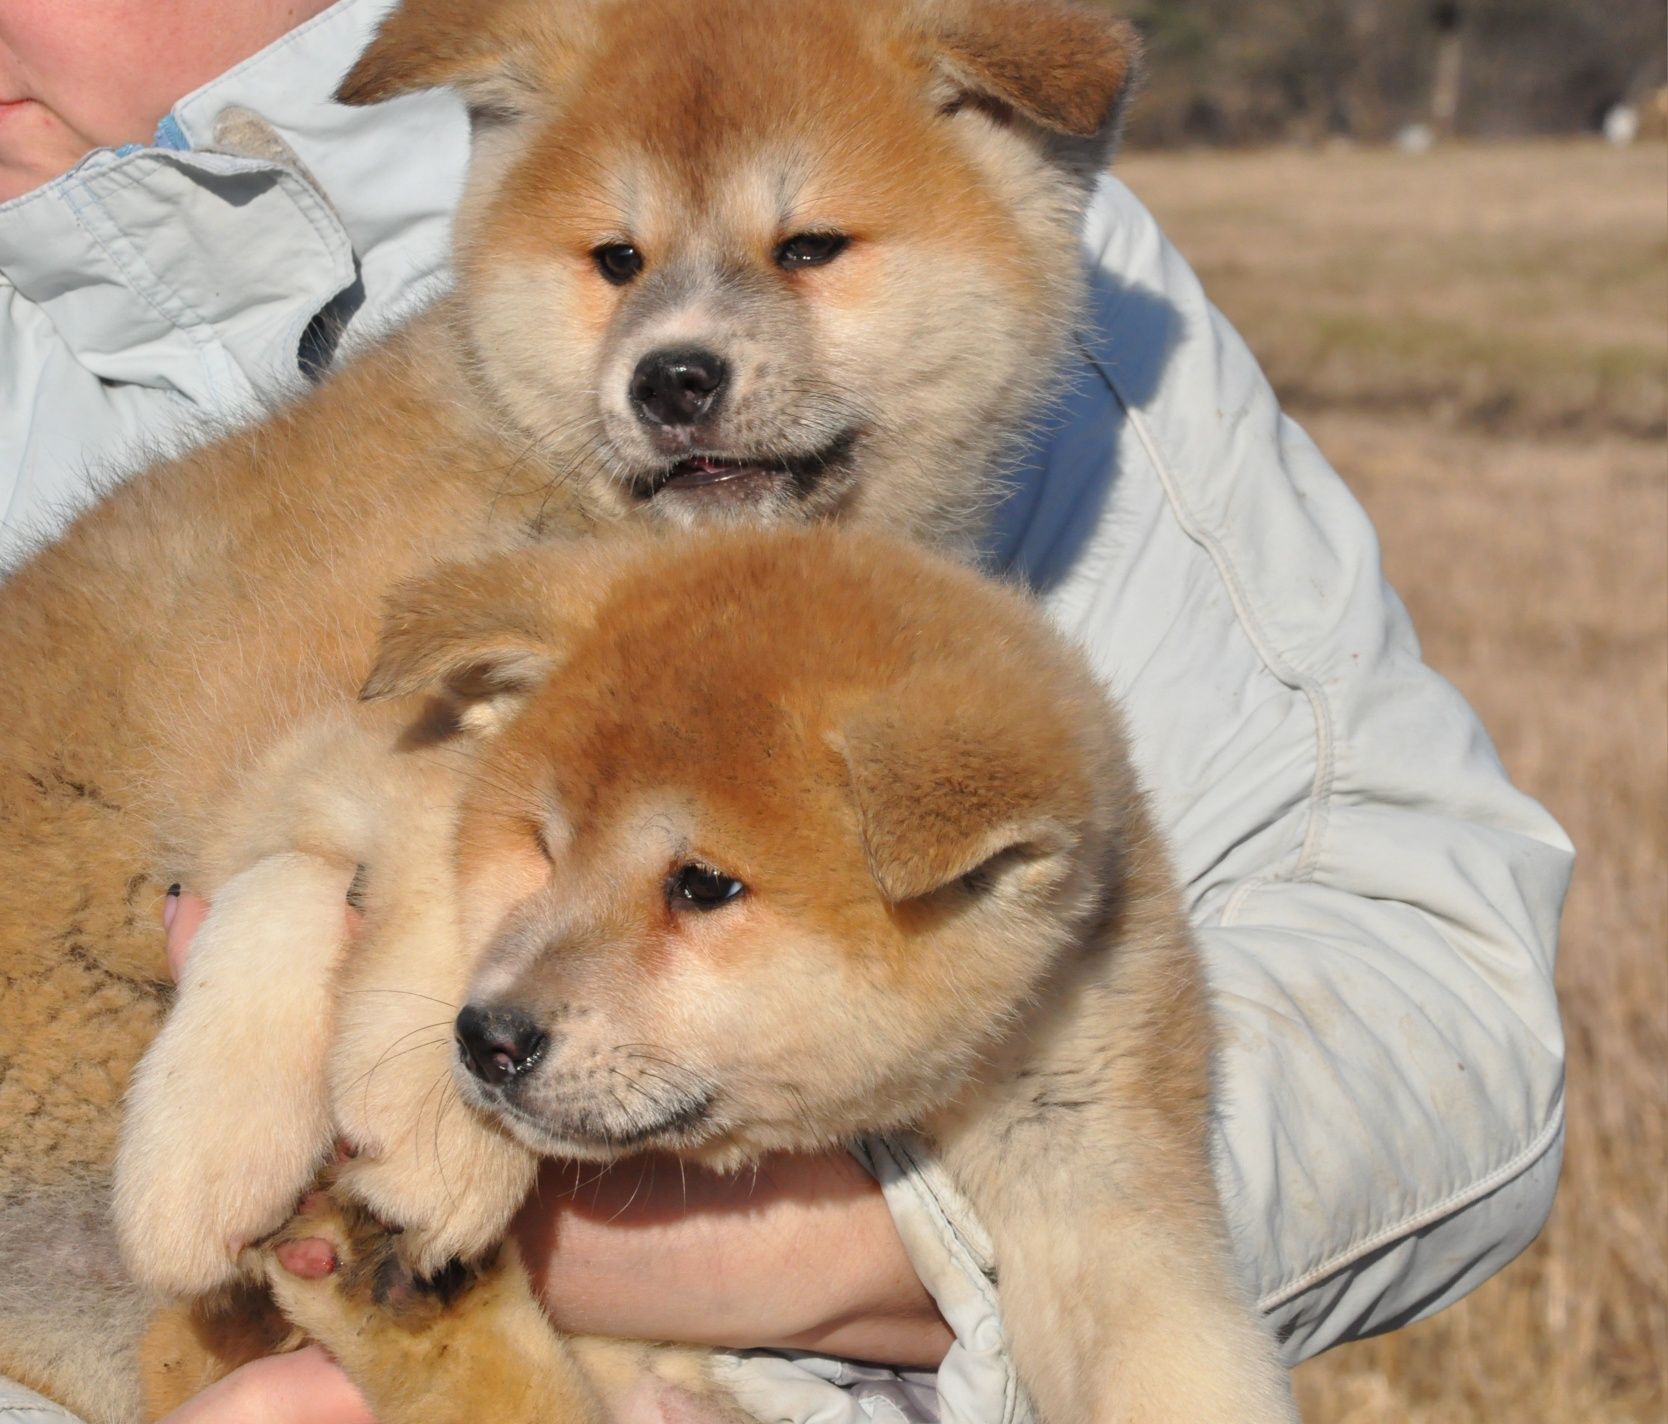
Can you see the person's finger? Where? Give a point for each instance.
(182, 915)
(304, 1387)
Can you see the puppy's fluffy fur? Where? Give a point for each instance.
(159, 653)
(762, 841)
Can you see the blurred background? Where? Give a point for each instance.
(1443, 228)
(1260, 71)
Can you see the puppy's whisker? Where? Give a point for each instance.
(648, 1074)
(689, 1077)
(389, 1056)
(448, 1100)
(410, 993)
(573, 1191)
(464, 761)
(415, 1135)
(648, 1164)
(370, 1072)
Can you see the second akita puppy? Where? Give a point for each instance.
(766, 842)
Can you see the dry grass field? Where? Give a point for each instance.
(1478, 337)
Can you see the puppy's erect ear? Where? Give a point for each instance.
(497, 53)
(951, 799)
(479, 638)
(1065, 67)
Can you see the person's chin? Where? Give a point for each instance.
(36, 146)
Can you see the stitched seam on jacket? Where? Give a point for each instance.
(1320, 789)
(156, 294)
(167, 300)
(98, 161)
(1454, 1202)
(120, 249)
(326, 222)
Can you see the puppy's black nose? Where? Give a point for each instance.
(678, 387)
(498, 1044)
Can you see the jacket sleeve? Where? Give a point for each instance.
(1377, 905)
(23, 1406)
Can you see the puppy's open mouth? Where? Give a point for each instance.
(735, 478)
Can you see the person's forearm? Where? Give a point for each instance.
(802, 1256)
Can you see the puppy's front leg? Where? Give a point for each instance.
(228, 1116)
(1116, 1285)
(457, 1350)
(1087, 1160)
(428, 1161)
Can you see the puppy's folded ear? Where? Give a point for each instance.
(479, 638)
(496, 53)
(1066, 68)
(946, 799)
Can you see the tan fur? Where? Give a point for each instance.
(957, 920)
(161, 651)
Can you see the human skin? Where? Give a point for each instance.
(802, 1255)
(76, 75)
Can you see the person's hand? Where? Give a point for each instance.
(305, 1387)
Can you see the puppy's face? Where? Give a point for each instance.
(782, 847)
(747, 260)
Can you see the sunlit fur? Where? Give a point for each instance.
(157, 654)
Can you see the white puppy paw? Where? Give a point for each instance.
(228, 1115)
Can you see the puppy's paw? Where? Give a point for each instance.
(428, 1349)
(367, 1285)
(195, 1185)
(228, 1117)
(453, 1195)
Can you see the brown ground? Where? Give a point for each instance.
(1477, 337)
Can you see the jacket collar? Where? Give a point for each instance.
(178, 266)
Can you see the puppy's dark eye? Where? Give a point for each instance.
(810, 249)
(619, 262)
(700, 887)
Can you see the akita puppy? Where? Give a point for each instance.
(741, 261)
(759, 842)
